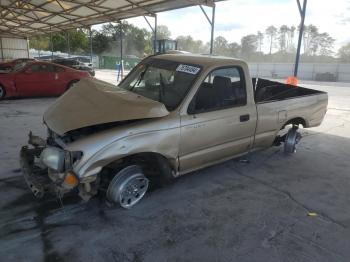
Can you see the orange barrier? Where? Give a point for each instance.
(292, 80)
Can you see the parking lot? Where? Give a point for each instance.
(274, 208)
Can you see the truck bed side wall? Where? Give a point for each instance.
(272, 116)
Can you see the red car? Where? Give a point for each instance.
(7, 66)
(38, 79)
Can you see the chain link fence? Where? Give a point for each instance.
(307, 71)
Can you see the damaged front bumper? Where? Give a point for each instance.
(35, 175)
(41, 179)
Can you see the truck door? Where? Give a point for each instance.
(220, 122)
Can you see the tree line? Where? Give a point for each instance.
(272, 45)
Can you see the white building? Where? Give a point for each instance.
(12, 47)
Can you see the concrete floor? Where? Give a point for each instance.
(228, 212)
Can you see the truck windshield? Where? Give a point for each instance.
(161, 80)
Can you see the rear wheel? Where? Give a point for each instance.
(128, 187)
(2, 92)
(292, 139)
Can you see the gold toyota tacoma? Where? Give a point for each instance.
(172, 114)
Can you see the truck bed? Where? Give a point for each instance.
(268, 91)
(277, 104)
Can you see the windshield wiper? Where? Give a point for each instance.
(140, 78)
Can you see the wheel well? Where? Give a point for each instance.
(155, 166)
(72, 82)
(295, 121)
(3, 88)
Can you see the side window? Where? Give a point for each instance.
(42, 68)
(222, 88)
(58, 69)
(37, 68)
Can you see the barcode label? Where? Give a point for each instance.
(188, 69)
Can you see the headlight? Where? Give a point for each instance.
(53, 157)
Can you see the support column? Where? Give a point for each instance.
(51, 44)
(302, 12)
(90, 31)
(2, 50)
(155, 34)
(68, 43)
(121, 50)
(27, 47)
(212, 24)
(212, 30)
(154, 31)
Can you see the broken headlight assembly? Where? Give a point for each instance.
(58, 159)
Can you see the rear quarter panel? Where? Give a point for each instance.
(272, 116)
(8, 82)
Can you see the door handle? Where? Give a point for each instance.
(244, 118)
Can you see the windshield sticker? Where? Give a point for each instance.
(188, 69)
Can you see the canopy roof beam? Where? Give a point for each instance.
(211, 23)
(29, 18)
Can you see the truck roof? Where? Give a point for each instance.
(203, 60)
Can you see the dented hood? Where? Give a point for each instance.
(92, 102)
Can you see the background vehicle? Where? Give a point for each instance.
(84, 60)
(172, 114)
(72, 63)
(5, 67)
(38, 79)
(165, 45)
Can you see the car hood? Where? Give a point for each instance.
(92, 102)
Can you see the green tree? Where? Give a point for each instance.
(220, 45)
(187, 43)
(271, 32)
(291, 33)
(163, 32)
(234, 49)
(325, 43)
(260, 36)
(136, 41)
(99, 42)
(344, 53)
(40, 43)
(282, 38)
(249, 45)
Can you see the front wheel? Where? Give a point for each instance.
(128, 187)
(2, 92)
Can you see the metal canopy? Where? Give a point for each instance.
(34, 17)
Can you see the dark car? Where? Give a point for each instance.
(72, 63)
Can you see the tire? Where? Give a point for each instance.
(128, 187)
(2, 92)
(292, 139)
(71, 84)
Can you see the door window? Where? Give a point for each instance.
(41, 68)
(58, 69)
(222, 88)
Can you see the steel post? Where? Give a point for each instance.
(301, 30)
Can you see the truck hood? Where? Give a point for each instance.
(92, 102)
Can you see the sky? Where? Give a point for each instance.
(237, 18)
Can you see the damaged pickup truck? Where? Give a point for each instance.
(172, 114)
